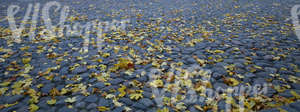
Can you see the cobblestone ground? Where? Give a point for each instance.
(237, 43)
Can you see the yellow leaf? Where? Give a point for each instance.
(63, 91)
(2, 60)
(118, 104)
(99, 60)
(3, 90)
(70, 100)
(180, 106)
(109, 96)
(198, 107)
(33, 107)
(52, 55)
(40, 85)
(124, 63)
(49, 77)
(219, 51)
(295, 94)
(6, 83)
(165, 109)
(122, 91)
(9, 105)
(230, 100)
(136, 96)
(231, 81)
(54, 92)
(279, 89)
(155, 64)
(258, 67)
(102, 108)
(281, 110)
(276, 58)
(252, 70)
(250, 104)
(157, 83)
(105, 55)
(28, 67)
(34, 99)
(26, 60)
(24, 48)
(51, 102)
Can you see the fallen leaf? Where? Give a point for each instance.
(157, 83)
(70, 100)
(231, 81)
(295, 94)
(218, 51)
(33, 107)
(165, 109)
(136, 96)
(51, 102)
(102, 108)
(26, 60)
